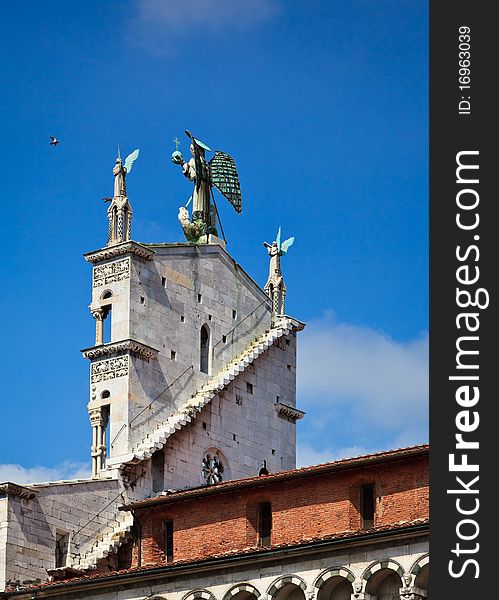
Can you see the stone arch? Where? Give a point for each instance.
(333, 572)
(287, 581)
(337, 581)
(421, 571)
(382, 564)
(107, 295)
(419, 563)
(199, 595)
(383, 579)
(243, 591)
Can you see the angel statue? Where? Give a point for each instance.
(219, 172)
(119, 213)
(275, 287)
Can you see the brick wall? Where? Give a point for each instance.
(302, 508)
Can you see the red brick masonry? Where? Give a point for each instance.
(308, 503)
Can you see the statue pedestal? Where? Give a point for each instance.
(212, 239)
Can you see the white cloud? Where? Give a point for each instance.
(160, 24)
(361, 383)
(306, 455)
(24, 475)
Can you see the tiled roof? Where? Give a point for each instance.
(344, 463)
(153, 568)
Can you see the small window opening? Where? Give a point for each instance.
(105, 394)
(107, 295)
(273, 450)
(289, 367)
(249, 388)
(173, 355)
(204, 349)
(239, 400)
(367, 506)
(200, 298)
(234, 314)
(158, 471)
(169, 541)
(204, 425)
(106, 411)
(234, 436)
(264, 523)
(287, 341)
(182, 319)
(163, 281)
(224, 339)
(61, 548)
(210, 317)
(277, 399)
(106, 325)
(142, 300)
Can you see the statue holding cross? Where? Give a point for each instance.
(219, 172)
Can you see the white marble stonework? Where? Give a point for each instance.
(366, 572)
(146, 377)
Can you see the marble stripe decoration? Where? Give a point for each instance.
(199, 595)
(384, 564)
(334, 572)
(242, 587)
(419, 564)
(280, 583)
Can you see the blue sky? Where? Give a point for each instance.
(323, 104)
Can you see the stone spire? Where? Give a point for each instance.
(119, 213)
(275, 287)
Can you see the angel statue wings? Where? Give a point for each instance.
(219, 172)
(275, 287)
(119, 213)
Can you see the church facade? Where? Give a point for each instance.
(194, 491)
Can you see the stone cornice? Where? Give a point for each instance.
(289, 411)
(108, 350)
(119, 250)
(12, 489)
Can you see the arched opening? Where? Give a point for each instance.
(422, 578)
(107, 319)
(289, 591)
(244, 595)
(385, 584)
(204, 350)
(336, 588)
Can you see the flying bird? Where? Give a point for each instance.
(53, 141)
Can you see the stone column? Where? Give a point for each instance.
(99, 424)
(98, 315)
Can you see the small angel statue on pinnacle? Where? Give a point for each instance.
(275, 287)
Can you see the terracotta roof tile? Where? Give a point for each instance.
(166, 497)
(151, 568)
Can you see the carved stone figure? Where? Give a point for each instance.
(219, 172)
